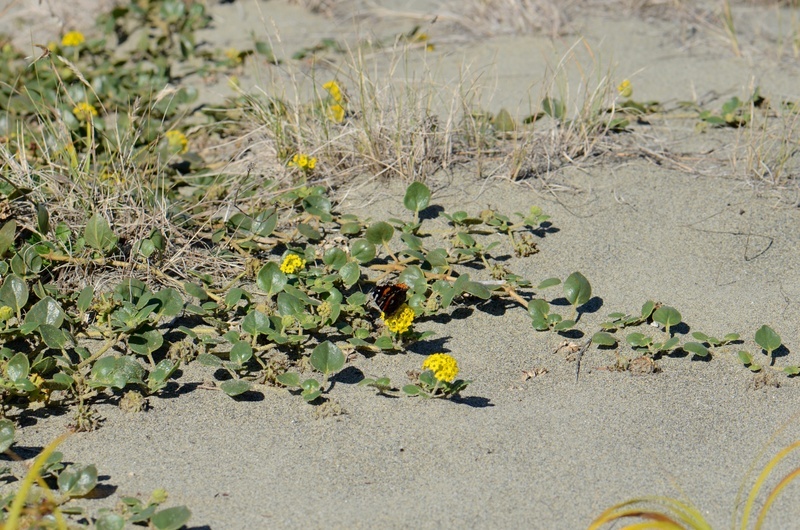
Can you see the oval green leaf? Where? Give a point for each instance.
(171, 518)
(602, 338)
(768, 339)
(327, 358)
(696, 348)
(362, 250)
(380, 232)
(234, 387)
(667, 316)
(270, 279)
(577, 289)
(417, 197)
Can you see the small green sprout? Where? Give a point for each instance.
(768, 340)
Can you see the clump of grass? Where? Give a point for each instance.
(667, 512)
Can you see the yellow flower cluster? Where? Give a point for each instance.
(335, 110)
(304, 162)
(84, 111)
(399, 321)
(625, 89)
(6, 312)
(177, 142)
(443, 366)
(72, 38)
(292, 263)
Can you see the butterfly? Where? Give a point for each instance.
(389, 297)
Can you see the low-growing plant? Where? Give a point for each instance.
(438, 378)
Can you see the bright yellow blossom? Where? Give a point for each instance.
(400, 321)
(6, 312)
(292, 263)
(73, 38)
(625, 89)
(304, 162)
(335, 113)
(84, 111)
(443, 366)
(333, 89)
(177, 142)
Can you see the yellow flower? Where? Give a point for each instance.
(336, 113)
(625, 89)
(233, 55)
(443, 366)
(304, 162)
(292, 263)
(333, 89)
(84, 111)
(40, 394)
(73, 38)
(6, 312)
(399, 321)
(177, 142)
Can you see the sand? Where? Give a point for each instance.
(546, 452)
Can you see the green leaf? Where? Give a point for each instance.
(379, 233)
(550, 282)
(18, 368)
(109, 521)
(538, 308)
(384, 342)
(146, 340)
(604, 339)
(792, 370)
(162, 371)
(234, 387)
(98, 234)
(638, 340)
(309, 232)
(290, 305)
(290, 379)
(647, 309)
(350, 273)
(362, 251)
(311, 395)
(270, 279)
(577, 289)
(768, 339)
(335, 258)
(417, 197)
(437, 257)
(564, 325)
(171, 518)
(14, 292)
(207, 359)
(477, 290)
(171, 302)
(77, 480)
(255, 322)
(745, 357)
(670, 344)
(554, 108)
(7, 234)
(412, 390)
(667, 316)
(54, 337)
(241, 352)
(42, 219)
(85, 298)
(696, 348)
(327, 358)
(6, 434)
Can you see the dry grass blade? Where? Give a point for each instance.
(663, 512)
